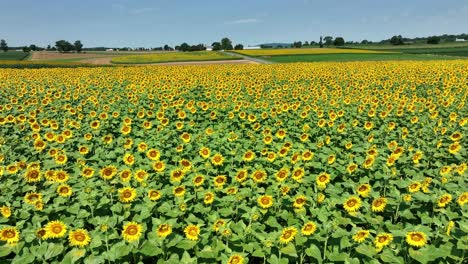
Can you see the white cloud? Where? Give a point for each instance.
(244, 21)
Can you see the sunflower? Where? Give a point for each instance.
(271, 156)
(164, 230)
(64, 190)
(352, 167)
(363, 190)
(61, 159)
(462, 199)
(299, 201)
(309, 228)
(125, 175)
(416, 239)
(217, 159)
(219, 181)
(265, 201)
(32, 197)
(142, 146)
(287, 235)
(185, 137)
(141, 175)
(456, 136)
(259, 176)
(204, 152)
(352, 204)
(192, 232)
(55, 229)
(12, 168)
(444, 200)
(235, 259)
(154, 195)
(208, 198)
(127, 194)
(322, 180)
(249, 156)
(128, 159)
(131, 231)
(177, 175)
(282, 174)
(218, 224)
(179, 191)
(107, 173)
(378, 205)
(454, 148)
(5, 211)
(32, 175)
(414, 187)
(241, 175)
(95, 124)
(382, 239)
(153, 154)
(159, 166)
(307, 155)
(198, 180)
(368, 162)
(79, 238)
(285, 190)
(361, 235)
(39, 145)
(9, 234)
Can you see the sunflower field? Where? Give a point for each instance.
(361, 162)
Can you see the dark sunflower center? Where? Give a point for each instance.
(132, 230)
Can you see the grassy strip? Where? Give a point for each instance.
(13, 55)
(356, 57)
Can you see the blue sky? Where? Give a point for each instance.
(146, 23)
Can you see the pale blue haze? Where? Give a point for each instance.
(154, 23)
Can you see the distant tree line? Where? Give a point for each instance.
(399, 40)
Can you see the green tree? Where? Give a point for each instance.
(63, 46)
(297, 44)
(3, 45)
(226, 44)
(433, 40)
(78, 46)
(33, 47)
(184, 47)
(396, 40)
(321, 42)
(216, 45)
(328, 40)
(239, 47)
(339, 41)
(26, 49)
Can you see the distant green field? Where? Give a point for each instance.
(13, 55)
(455, 51)
(354, 57)
(174, 57)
